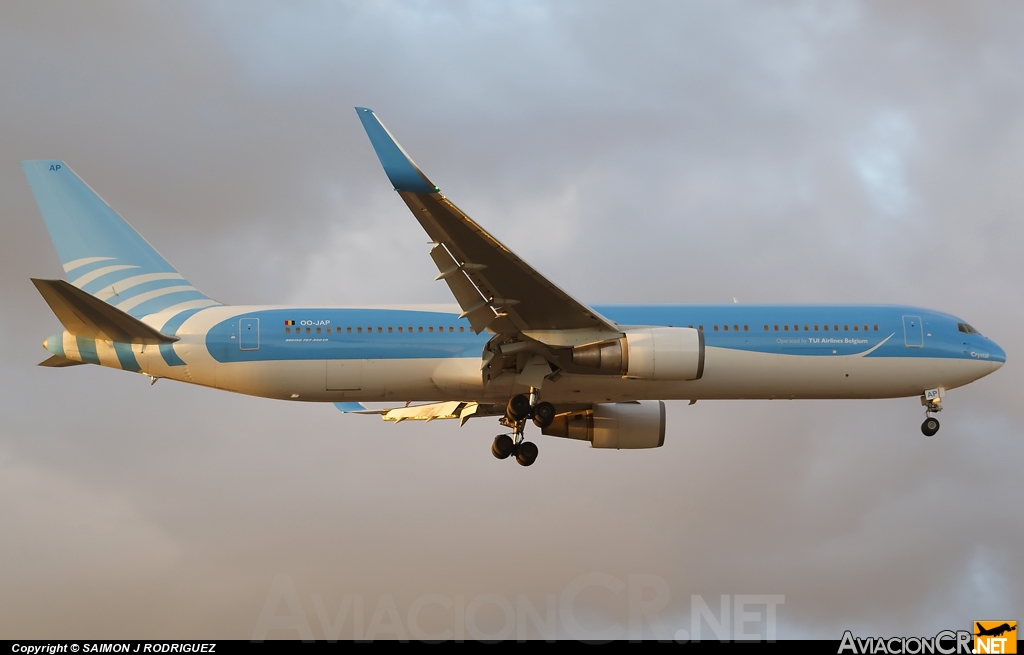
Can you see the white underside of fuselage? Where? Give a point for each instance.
(728, 374)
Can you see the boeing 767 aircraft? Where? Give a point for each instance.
(518, 347)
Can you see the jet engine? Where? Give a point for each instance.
(654, 353)
(614, 425)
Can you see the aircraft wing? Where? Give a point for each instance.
(495, 288)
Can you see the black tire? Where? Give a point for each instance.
(502, 446)
(519, 407)
(930, 426)
(526, 453)
(543, 414)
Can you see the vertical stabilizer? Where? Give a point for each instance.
(101, 254)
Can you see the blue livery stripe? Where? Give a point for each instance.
(157, 300)
(87, 350)
(129, 286)
(118, 295)
(171, 327)
(126, 357)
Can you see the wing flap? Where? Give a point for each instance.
(475, 306)
(452, 409)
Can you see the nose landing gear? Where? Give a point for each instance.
(520, 408)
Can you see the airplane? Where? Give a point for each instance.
(996, 631)
(516, 347)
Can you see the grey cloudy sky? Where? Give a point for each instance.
(633, 152)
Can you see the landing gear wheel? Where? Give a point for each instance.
(543, 415)
(519, 407)
(526, 453)
(930, 426)
(502, 446)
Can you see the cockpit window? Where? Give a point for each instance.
(965, 328)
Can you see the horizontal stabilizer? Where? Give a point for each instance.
(84, 315)
(59, 362)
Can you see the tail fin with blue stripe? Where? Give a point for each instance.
(101, 254)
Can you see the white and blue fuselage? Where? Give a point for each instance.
(388, 355)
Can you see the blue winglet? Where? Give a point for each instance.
(349, 407)
(403, 173)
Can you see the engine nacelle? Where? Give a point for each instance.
(654, 353)
(614, 425)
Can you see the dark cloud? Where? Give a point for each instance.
(809, 152)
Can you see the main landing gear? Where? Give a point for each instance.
(519, 409)
(932, 401)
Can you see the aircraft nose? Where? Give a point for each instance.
(998, 356)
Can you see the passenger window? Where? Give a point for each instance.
(430, 329)
(876, 328)
(451, 329)
(379, 329)
(865, 328)
(724, 327)
(307, 330)
(835, 328)
(287, 330)
(805, 328)
(399, 328)
(359, 330)
(700, 327)
(856, 328)
(796, 328)
(318, 330)
(349, 330)
(846, 328)
(390, 330)
(716, 328)
(735, 328)
(419, 329)
(786, 328)
(776, 328)
(815, 328)
(826, 328)
(766, 328)
(440, 328)
(462, 328)
(746, 328)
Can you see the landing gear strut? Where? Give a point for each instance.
(520, 408)
(932, 401)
